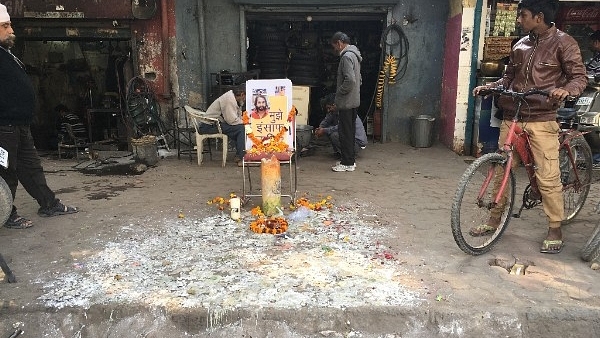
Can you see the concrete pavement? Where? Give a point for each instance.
(147, 257)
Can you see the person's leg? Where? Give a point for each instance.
(544, 146)
(357, 149)
(346, 129)
(9, 140)
(30, 171)
(238, 134)
(334, 138)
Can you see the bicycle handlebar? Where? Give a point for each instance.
(508, 92)
(511, 93)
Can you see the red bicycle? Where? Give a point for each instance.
(476, 196)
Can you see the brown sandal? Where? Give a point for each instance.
(482, 230)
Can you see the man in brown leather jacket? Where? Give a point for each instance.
(547, 59)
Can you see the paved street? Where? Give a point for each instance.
(148, 257)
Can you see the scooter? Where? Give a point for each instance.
(588, 111)
(5, 210)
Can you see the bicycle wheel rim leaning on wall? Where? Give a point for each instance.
(6, 201)
(468, 212)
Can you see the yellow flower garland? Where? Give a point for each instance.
(277, 144)
(272, 225)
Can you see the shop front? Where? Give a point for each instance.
(82, 55)
(492, 26)
(290, 39)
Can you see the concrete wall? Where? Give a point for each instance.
(223, 36)
(188, 81)
(418, 92)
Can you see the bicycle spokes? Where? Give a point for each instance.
(474, 204)
(576, 175)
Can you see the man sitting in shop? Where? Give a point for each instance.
(329, 127)
(66, 120)
(227, 108)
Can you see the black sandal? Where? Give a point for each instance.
(17, 222)
(57, 210)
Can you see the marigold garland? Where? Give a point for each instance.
(220, 201)
(276, 144)
(317, 206)
(271, 225)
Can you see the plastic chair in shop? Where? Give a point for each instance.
(197, 116)
(287, 157)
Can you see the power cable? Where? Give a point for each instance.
(396, 68)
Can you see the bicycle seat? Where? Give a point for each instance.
(566, 113)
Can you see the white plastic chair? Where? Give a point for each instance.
(197, 116)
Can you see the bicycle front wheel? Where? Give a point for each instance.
(591, 245)
(575, 176)
(474, 200)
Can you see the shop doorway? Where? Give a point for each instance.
(80, 74)
(296, 46)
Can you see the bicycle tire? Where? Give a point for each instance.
(6, 201)
(467, 212)
(591, 245)
(575, 193)
(594, 256)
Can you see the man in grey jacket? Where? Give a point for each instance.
(347, 98)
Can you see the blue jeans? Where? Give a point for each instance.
(236, 133)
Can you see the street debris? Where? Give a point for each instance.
(328, 258)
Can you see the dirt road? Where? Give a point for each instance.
(147, 256)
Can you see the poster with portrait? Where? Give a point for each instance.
(268, 103)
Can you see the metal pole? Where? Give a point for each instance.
(473, 77)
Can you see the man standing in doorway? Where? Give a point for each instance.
(546, 59)
(17, 105)
(347, 98)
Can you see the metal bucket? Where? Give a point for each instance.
(422, 131)
(303, 135)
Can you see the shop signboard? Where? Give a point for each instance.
(580, 14)
(70, 9)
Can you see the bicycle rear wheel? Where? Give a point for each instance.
(469, 210)
(575, 186)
